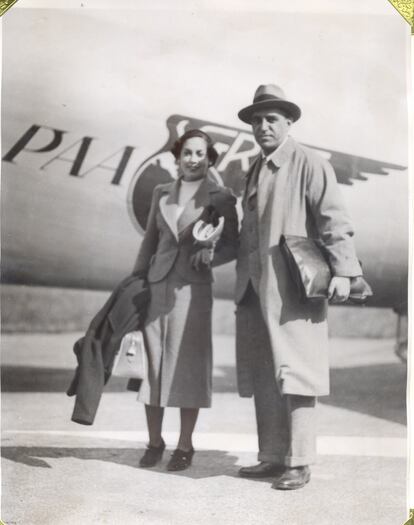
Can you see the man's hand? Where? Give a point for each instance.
(339, 289)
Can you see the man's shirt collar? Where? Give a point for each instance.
(271, 156)
(275, 156)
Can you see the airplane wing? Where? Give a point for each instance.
(349, 168)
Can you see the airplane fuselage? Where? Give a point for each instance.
(74, 211)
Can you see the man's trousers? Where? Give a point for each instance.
(285, 423)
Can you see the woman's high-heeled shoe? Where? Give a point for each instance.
(152, 455)
(180, 460)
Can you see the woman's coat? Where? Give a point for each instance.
(178, 326)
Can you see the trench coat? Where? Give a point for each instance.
(304, 200)
(178, 326)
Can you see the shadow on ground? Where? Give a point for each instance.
(35, 379)
(207, 463)
(375, 390)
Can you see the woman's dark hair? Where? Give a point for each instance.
(179, 143)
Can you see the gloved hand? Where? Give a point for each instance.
(201, 259)
(210, 215)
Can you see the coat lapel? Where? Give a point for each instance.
(253, 178)
(168, 206)
(281, 155)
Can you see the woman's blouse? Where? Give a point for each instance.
(185, 193)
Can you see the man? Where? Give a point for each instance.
(282, 353)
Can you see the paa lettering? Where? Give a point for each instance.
(74, 154)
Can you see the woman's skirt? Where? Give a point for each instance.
(179, 345)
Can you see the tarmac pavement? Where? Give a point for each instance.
(57, 472)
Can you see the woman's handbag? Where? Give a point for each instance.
(208, 229)
(131, 359)
(308, 265)
(206, 233)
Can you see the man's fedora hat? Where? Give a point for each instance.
(269, 96)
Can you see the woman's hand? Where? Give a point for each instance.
(201, 259)
(339, 289)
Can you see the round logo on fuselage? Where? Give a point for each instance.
(236, 149)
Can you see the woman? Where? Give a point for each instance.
(178, 270)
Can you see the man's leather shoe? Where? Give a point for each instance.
(264, 469)
(293, 478)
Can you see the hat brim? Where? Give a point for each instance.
(292, 110)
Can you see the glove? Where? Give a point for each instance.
(201, 260)
(211, 215)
